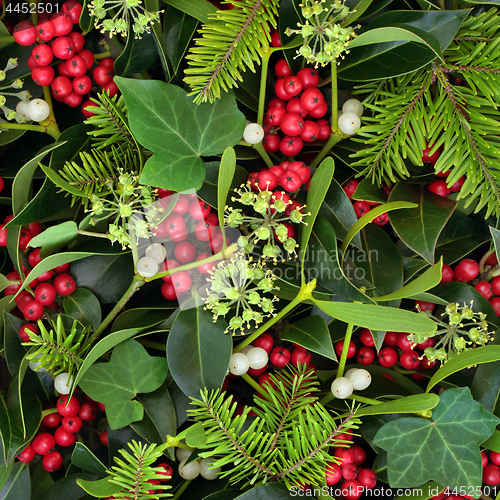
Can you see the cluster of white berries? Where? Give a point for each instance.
(249, 357)
(355, 379)
(194, 468)
(36, 110)
(148, 265)
(349, 120)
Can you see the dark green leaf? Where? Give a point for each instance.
(367, 191)
(495, 234)
(199, 9)
(18, 485)
(130, 371)
(86, 20)
(198, 351)
(75, 140)
(41, 481)
(5, 471)
(154, 6)
(139, 54)
(83, 458)
(312, 334)
(271, 491)
(84, 306)
(165, 120)
(445, 449)
(67, 488)
(289, 15)
(143, 317)
(412, 267)
(419, 228)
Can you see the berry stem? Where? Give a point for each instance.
(22, 126)
(263, 82)
(102, 55)
(6, 39)
(363, 399)
(137, 282)
(50, 123)
(181, 490)
(256, 386)
(34, 14)
(345, 350)
(334, 138)
(335, 125)
(259, 147)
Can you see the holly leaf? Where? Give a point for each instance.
(165, 120)
(444, 449)
(130, 371)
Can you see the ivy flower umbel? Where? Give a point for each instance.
(463, 328)
(244, 285)
(10, 114)
(266, 224)
(325, 40)
(125, 12)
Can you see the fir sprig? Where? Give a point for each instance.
(230, 43)
(289, 441)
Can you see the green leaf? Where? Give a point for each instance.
(165, 120)
(429, 279)
(320, 183)
(369, 216)
(312, 334)
(367, 191)
(389, 59)
(453, 291)
(21, 186)
(84, 306)
(160, 418)
(412, 266)
(199, 9)
(198, 351)
(196, 435)
(5, 471)
(419, 228)
(337, 210)
(378, 317)
(86, 20)
(445, 449)
(270, 491)
(100, 489)
(226, 175)
(402, 33)
(143, 317)
(495, 235)
(130, 371)
(177, 34)
(477, 356)
(60, 182)
(74, 140)
(18, 485)
(139, 54)
(322, 263)
(409, 404)
(83, 458)
(154, 6)
(493, 442)
(67, 488)
(55, 237)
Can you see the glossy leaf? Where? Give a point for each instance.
(67, 488)
(322, 263)
(337, 209)
(270, 491)
(139, 54)
(55, 237)
(493, 442)
(18, 486)
(445, 449)
(130, 371)
(412, 267)
(196, 435)
(477, 356)
(83, 458)
(419, 227)
(199, 9)
(378, 317)
(84, 306)
(142, 317)
(495, 235)
(198, 351)
(100, 489)
(154, 6)
(320, 183)
(367, 191)
(409, 404)
(165, 120)
(312, 334)
(74, 140)
(429, 279)
(226, 174)
(453, 291)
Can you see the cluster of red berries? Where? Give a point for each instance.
(440, 185)
(64, 423)
(397, 348)
(297, 98)
(291, 176)
(362, 207)
(191, 230)
(56, 39)
(491, 469)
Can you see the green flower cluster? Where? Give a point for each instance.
(266, 224)
(10, 114)
(325, 40)
(463, 329)
(125, 13)
(241, 284)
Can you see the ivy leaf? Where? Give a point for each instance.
(130, 371)
(165, 120)
(444, 449)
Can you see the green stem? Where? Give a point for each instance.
(305, 293)
(181, 490)
(90, 233)
(263, 83)
(153, 345)
(256, 386)
(345, 350)
(6, 39)
(34, 14)
(102, 55)
(223, 254)
(137, 282)
(22, 126)
(259, 147)
(334, 97)
(362, 399)
(335, 138)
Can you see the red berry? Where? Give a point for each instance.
(280, 357)
(33, 310)
(281, 68)
(52, 420)
(351, 350)
(446, 273)
(88, 56)
(333, 473)
(367, 478)
(72, 424)
(76, 66)
(46, 30)
(366, 337)
(45, 293)
(309, 77)
(495, 303)
(168, 472)
(300, 354)
(78, 41)
(484, 288)
(361, 208)
(468, 269)
(440, 188)
(73, 9)
(111, 88)
(68, 409)
(42, 54)
(432, 159)
(109, 62)
(365, 355)
(387, 357)
(409, 360)
(63, 437)
(64, 284)
(27, 455)
(25, 33)
(425, 306)
(63, 47)
(43, 443)
(52, 462)
(403, 342)
(265, 341)
(102, 75)
(349, 187)
(42, 75)
(103, 437)
(491, 474)
(23, 331)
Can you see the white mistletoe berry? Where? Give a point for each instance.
(182, 454)
(63, 383)
(22, 109)
(360, 379)
(342, 388)
(190, 471)
(157, 252)
(38, 110)
(257, 358)
(353, 106)
(147, 267)
(349, 123)
(206, 472)
(253, 133)
(238, 364)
